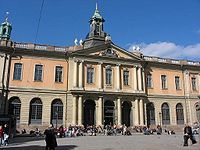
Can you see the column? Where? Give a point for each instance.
(143, 80)
(135, 86)
(100, 111)
(74, 110)
(81, 75)
(145, 112)
(75, 73)
(80, 110)
(136, 112)
(139, 72)
(118, 77)
(100, 76)
(119, 111)
(141, 112)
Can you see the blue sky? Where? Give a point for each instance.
(161, 28)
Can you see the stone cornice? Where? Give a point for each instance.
(37, 90)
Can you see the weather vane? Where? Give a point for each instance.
(7, 13)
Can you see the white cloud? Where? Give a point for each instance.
(170, 50)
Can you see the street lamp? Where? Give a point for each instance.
(160, 117)
(56, 114)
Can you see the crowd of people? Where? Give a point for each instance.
(91, 130)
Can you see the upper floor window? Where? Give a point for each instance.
(194, 84)
(177, 82)
(17, 71)
(90, 75)
(126, 77)
(149, 81)
(38, 73)
(58, 74)
(108, 76)
(164, 81)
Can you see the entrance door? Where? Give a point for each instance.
(150, 114)
(109, 112)
(126, 109)
(89, 109)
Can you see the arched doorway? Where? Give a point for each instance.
(126, 109)
(15, 108)
(57, 112)
(89, 111)
(150, 114)
(165, 114)
(35, 111)
(179, 114)
(109, 112)
(197, 107)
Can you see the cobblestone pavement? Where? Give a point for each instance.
(134, 142)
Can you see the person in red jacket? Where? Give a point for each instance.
(1, 135)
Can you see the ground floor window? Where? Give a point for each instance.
(57, 112)
(179, 114)
(15, 108)
(35, 111)
(165, 114)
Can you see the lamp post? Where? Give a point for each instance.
(160, 117)
(56, 114)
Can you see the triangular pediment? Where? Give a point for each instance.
(107, 50)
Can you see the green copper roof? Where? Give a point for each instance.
(97, 14)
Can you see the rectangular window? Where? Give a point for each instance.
(126, 76)
(194, 84)
(90, 75)
(58, 74)
(164, 81)
(177, 82)
(108, 76)
(38, 73)
(149, 81)
(17, 71)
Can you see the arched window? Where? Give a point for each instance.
(57, 112)
(198, 111)
(150, 114)
(165, 114)
(179, 114)
(35, 111)
(15, 108)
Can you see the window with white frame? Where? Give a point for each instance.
(126, 77)
(164, 81)
(177, 82)
(194, 84)
(149, 80)
(17, 71)
(108, 75)
(58, 74)
(38, 73)
(90, 75)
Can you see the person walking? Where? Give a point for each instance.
(6, 135)
(50, 138)
(188, 135)
(1, 135)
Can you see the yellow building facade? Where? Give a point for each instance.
(96, 83)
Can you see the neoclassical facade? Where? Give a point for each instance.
(95, 83)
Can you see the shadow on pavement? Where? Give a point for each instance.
(36, 147)
(21, 140)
